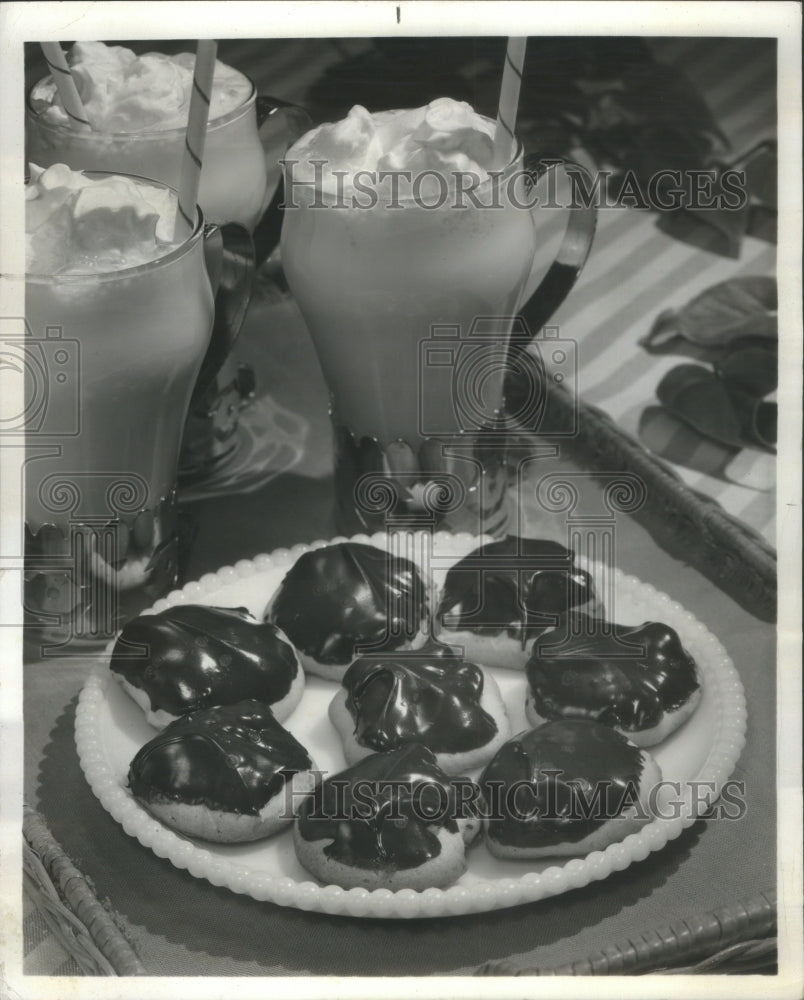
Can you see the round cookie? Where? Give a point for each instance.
(637, 679)
(564, 789)
(430, 696)
(497, 600)
(229, 774)
(390, 821)
(339, 598)
(192, 656)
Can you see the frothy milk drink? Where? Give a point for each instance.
(396, 233)
(120, 318)
(137, 107)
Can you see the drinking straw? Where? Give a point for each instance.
(191, 163)
(509, 100)
(65, 84)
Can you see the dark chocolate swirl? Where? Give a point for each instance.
(627, 676)
(517, 586)
(233, 758)
(384, 812)
(429, 696)
(193, 656)
(344, 595)
(559, 783)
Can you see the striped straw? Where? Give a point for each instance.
(509, 100)
(65, 84)
(191, 163)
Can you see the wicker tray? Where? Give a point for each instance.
(78, 921)
(738, 938)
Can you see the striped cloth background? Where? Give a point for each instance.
(635, 272)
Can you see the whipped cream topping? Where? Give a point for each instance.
(124, 92)
(445, 136)
(75, 224)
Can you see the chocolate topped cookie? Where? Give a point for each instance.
(340, 597)
(497, 600)
(391, 820)
(430, 696)
(638, 679)
(564, 788)
(227, 774)
(193, 656)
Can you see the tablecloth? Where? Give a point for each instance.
(636, 271)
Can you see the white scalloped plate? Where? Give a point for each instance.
(110, 728)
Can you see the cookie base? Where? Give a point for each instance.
(159, 718)
(437, 872)
(223, 827)
(670, 721)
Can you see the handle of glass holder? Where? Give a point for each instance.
(541, 303)
(280, 124)
(229, 258)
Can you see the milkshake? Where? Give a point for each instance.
(373, 280)
(398, 235)
(119, 319)
(137, 107)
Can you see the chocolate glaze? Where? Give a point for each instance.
(198, 656)
(429, 696)
(516, 586)
(592, 675)
(386, 826)
(346, 594)
(588, 756)
(233, 758)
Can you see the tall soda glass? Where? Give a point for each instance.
(410, 298)
(110, 360)
(234, 182)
